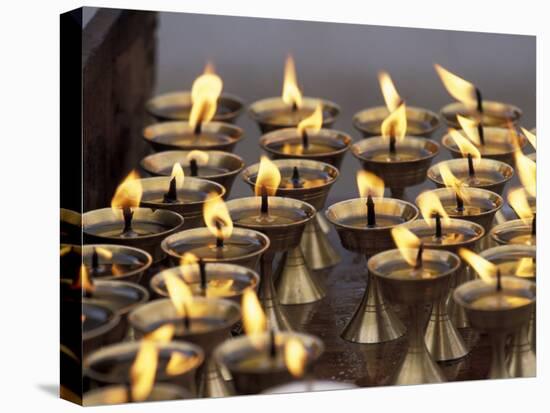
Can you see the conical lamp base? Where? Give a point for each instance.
(457, 314)
(374, 320)
(522, 361)
(296, 284)
(211, 382)
(318, 252)
(442, 339)
(276, 318)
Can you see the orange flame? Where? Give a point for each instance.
(128, 193)
(369, 184)
(179, 293)
(313, 123)
(144, 370)
(527, 172)
(407, 243)
(486, 270)
(179, 364)
(395, 125)
(453, 182)
(205, 92)
(295, 357)
(162, 334)
(526, 267)
(291, 92)
(465, 146)
(430, 204)
(188, 258)
(269, 177)
(216, 216)
(469, 126)
(517, 198)
(178, 174)
(254, 319)
(460, 89)
(531, 137)
(391, 97)
(84, 282)
(201, 157)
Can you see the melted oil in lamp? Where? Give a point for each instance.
(174, 106)
(471, 104)
(518, 261)
(439, 232)
(522, 231)
(209, 280)
(499, 143)
(497, 304)
(472, 169)
(414, 277)
(308, 141)
(216, 166)
(125, 223)
(179, 193)
(203, 321)
(401, 161)
(420, 122)
(364, 226)
(291, 108)
(262, 359)
(282, 220)
(200, 131)
(304, 180)
(177, 362)
(219, 241)
(140, 382)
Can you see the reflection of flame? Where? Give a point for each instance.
(465, 146)
(205, 92)
(460, 89)
(525, 267)
(391, 97)
(295, 356)
(104, 252)
(201, 157)
(453, 182)
(128, 194)
(84, 282)
(291, 92)
(219, 288)
(289, 149)
(469, 126)
(527, 172)
(407, 243)
(530, 137)
(178, 174)
(143, 370)
(268, 177)
(517, 198)
(179, 293)
(254, 320)
(369, 184)
(216, 216)
(486, 269)
(395, 125)
(313, 123)
(429, 205)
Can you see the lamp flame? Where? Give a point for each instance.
(163, 334)
(527, 172)
(84, 282)
(531, 137)
(179, 293)
(295, 357)
(143, 370)
(128, 193)
(178, 174)
(486, 270)
(517, 198)
(525, 268)
(395, 125)
(216, 216)
(369, 184)
(205, 92)
(429, 205)
(458, 88)
(451, 181)
(291, 92)
(470, 128)
(254, 319)
(313, 123)
(407, 243)
(269, 177)
(391, 97)
(201, 157)
(465, 146)
(188, 258)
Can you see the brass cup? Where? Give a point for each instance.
(497, 323)
(175, 106)
(118, 393)
(515, 232)
(265, 111)
(273, 143)
(484, 167)
(148, 317)
(172, 245)
(159, 136)
(296, 284)
(283, 237)
(418, 366)
(192, 212)
(122, 255)
(374, 320)
(397, 175)
(494, 113)
(103, 219)
(107, 329)
(442, 338)
(492, 135)
(229, 165)
(420, 122)
(112, 364)
(255, 379)
(521, 359)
